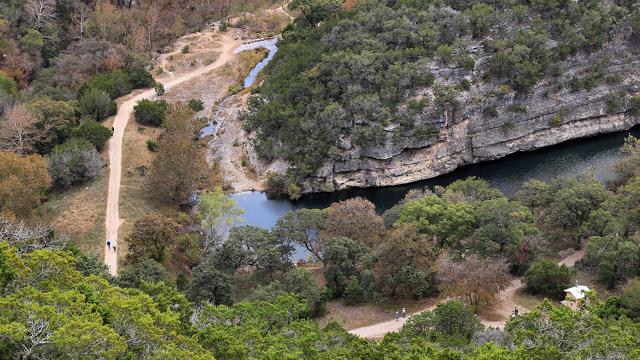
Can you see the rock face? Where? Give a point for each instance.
(550, 114)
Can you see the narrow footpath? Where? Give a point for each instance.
(505, 304)
(227, 46)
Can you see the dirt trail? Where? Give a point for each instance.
(228, 43)
(505, 305)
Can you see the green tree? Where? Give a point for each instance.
(446, 221)
(502, 226)
(548, 279)
(217, 213)
(57, 116)
(451, 323)
(266, 253)
(150, 112)
(145, 270)
(303, 227)
(342, 257)
(92, 132)
(613, 257)
(210, 284)
(97, 104)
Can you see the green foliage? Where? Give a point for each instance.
(146, 270)
(150, 112)
(185, 49)
(93, 132)
(451, 324)
(96, 104)
(196, 104)
(152, 145)
(341, 258)
(115, 84)
(630, 298)
(159, 88)
(447, 221)
(615, 258)
(7, 86)
(210, 284)
(547, 278)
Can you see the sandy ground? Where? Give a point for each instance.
(228, 43)
(505, 303)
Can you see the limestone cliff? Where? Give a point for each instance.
(490, 122)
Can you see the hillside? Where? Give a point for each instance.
(393, 92)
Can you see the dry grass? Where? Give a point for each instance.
(136, 162)
(355, 316)
(80, 212)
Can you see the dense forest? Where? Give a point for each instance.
(395, 72)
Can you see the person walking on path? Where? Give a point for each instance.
(114, 248)
(404, 312)
(397, 315)
(108, 244)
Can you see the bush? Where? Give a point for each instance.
(277, 186)
(235, 88)
(634, 105)
(491, 111)
(93, 132)
(150, 112)
(115, 83)
(74, 162)
(615, 102)
(139, 77)
(97, 105)
(159, 88)
(152, 145)
(185, 49)
(548, 278)
(196, 104)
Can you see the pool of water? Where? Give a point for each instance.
(560, 161)
(270, 45)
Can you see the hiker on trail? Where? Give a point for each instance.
(109, 244)
(397, 315)
(114, 248)
(515, 311)
(112, 130)
(404, 312)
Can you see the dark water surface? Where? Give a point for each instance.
(560, 161)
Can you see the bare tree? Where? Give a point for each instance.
(19, 130)
(80, 20)
(474, 279)
(40, 12)
(26, 238)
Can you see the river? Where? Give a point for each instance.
(560, 161)
(564, 160)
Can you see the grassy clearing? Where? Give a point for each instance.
(80, 212)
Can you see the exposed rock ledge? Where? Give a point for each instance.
(457, 147)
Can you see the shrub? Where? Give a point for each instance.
(235, 88)
(556, 119)
(507, 127)
(159, 88)
(152, 145)
(224, 26)
(196, 104)
(93, 132)
(615, 102)
(97, 104)
(548, 278)
(185, 49)
(74, 162)
(465, 84)
(115, 83)
(277, 186)
(150, 112)
(491, 111)
(139, 77)
(634, 105)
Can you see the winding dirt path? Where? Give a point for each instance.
(505, 305)
(228, 43)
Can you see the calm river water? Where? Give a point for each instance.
(564, 160)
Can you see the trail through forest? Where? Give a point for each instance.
(505, 303)
(228, 43)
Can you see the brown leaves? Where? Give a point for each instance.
(355, 219)
(23, 182)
